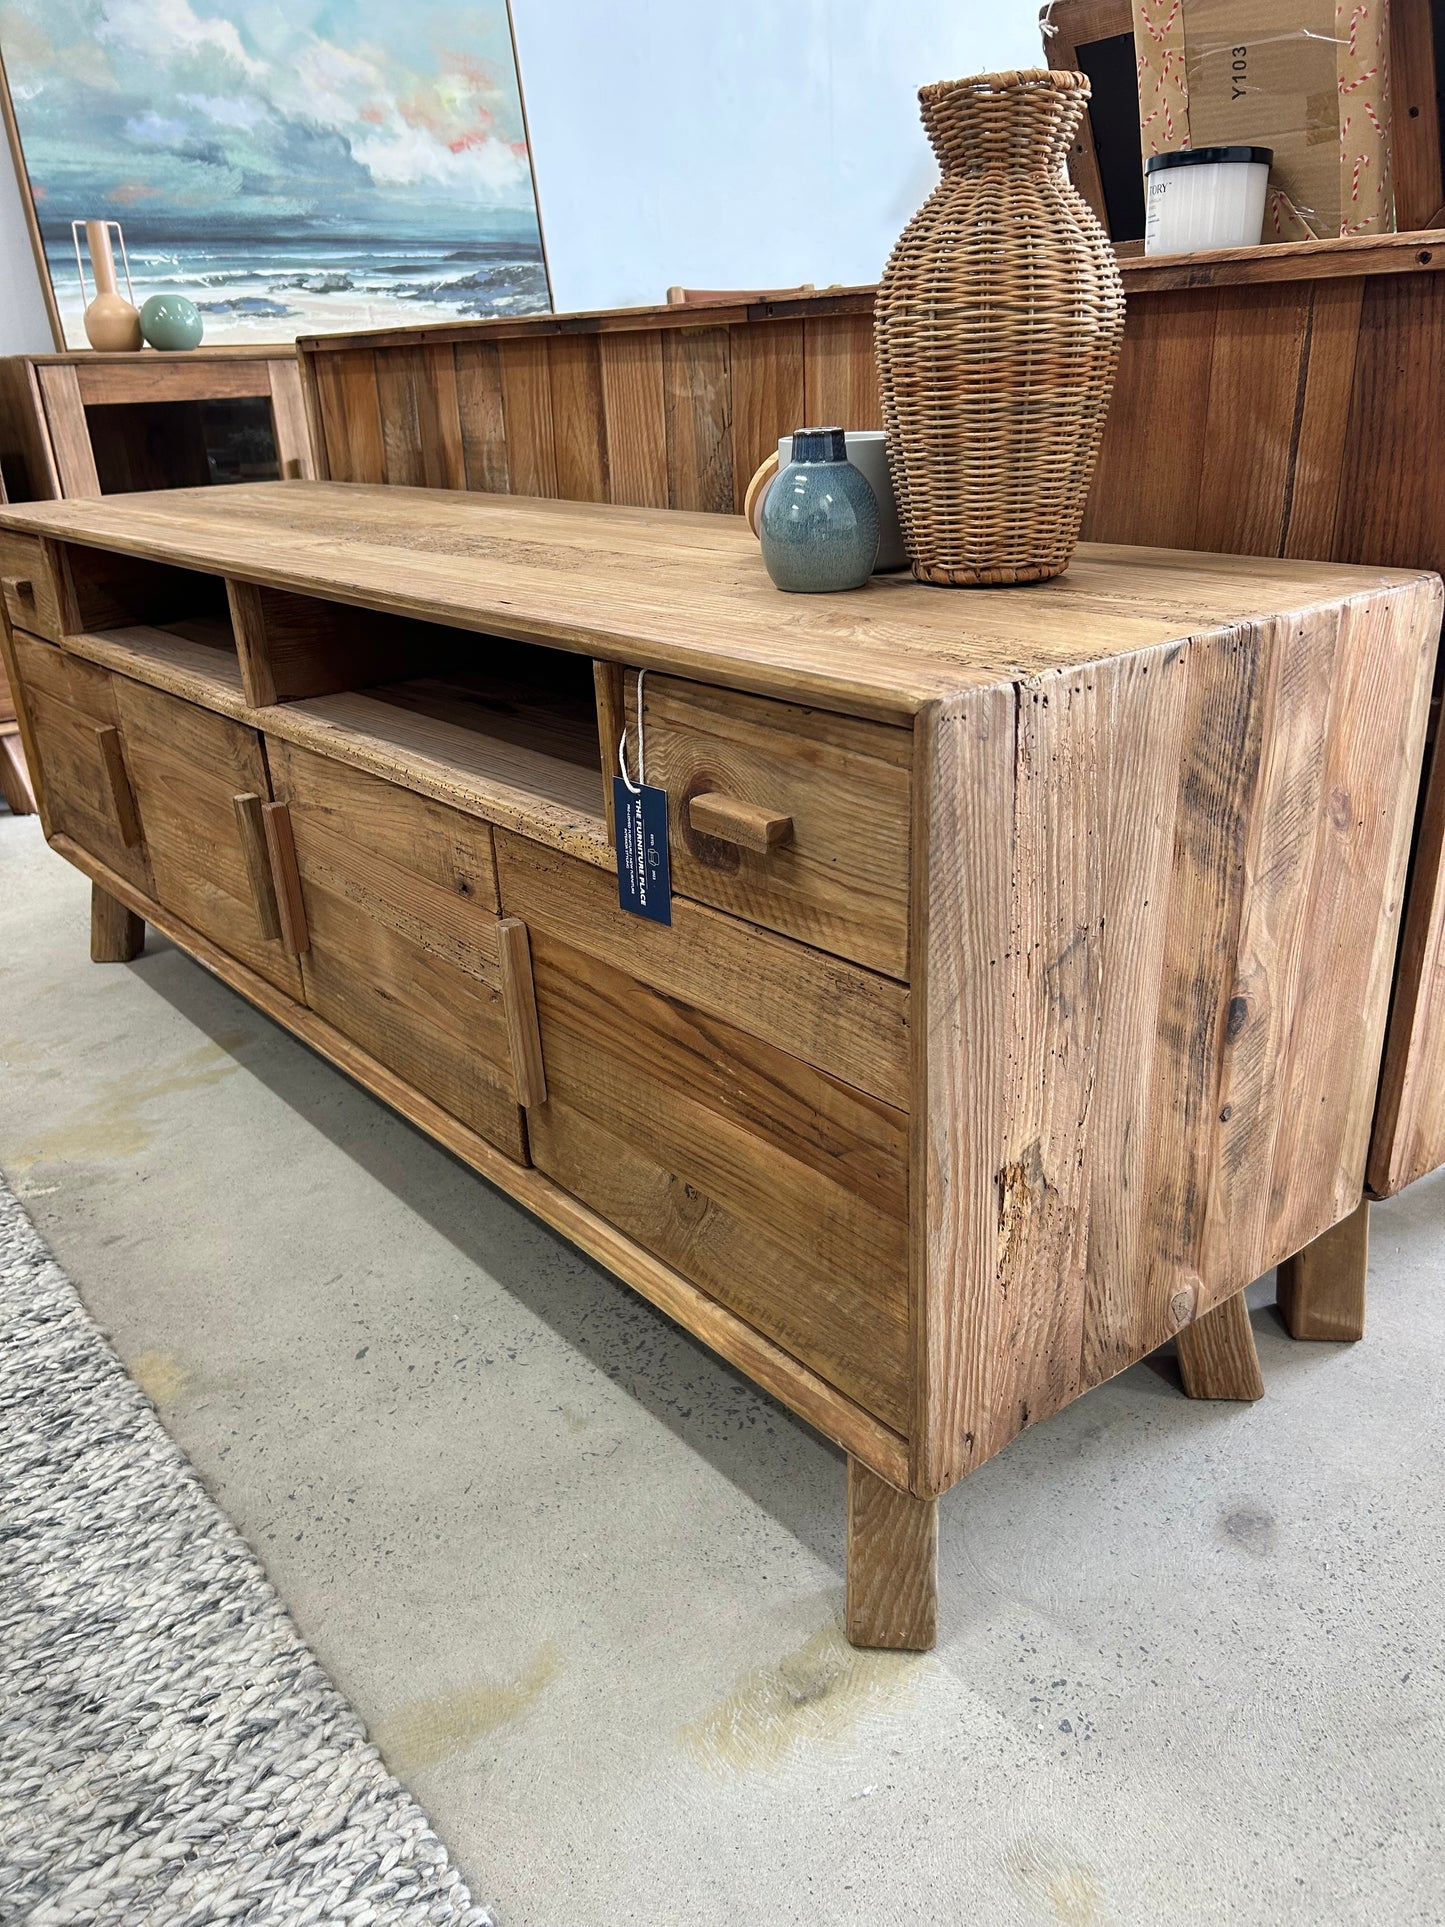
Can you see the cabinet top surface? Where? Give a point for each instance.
(687, 593)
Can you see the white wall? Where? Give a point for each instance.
(758, 143)
(24, 325)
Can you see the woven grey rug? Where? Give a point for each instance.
(170, 1751)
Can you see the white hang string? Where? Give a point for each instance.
(636, 787)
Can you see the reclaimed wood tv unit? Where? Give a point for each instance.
(1030, 949)
(1270, 401)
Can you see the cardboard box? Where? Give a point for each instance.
(1308, 78)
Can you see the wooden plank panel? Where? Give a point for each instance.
(1391, 507)
(964, 774)
(69, 436)
(35, 607)
(441, 1029)
(479, 403)
(289, 421)
(635, 409)
(439, 414)
(351, 408)
(527, 414)
(1409, 1132)
(772, 1187)
(579, 432)
(1255, 371)
(697, 402)
(840, 373)
(1326, 1086)
(400, 380)
(840, 882)
(1157, 426)
(187, 766)
(74, 785)
(831, 1014)
(1320, 477)
(398, 828)
(766, 360)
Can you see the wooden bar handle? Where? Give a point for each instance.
(732, 821)
(122, 797)
(18, 586)
(251, 826)
(290, 910)
(519, 1000)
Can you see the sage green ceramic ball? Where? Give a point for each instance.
(169, 321)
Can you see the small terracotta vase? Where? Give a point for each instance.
(112, 324)
(997, 325)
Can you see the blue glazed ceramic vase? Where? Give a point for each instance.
(819, 524)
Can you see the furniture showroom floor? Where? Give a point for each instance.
(1189, 1661)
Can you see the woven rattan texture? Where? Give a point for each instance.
(998, 323)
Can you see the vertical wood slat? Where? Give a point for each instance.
(1319, 476)
(527, 415)
(1410, 1119)
(308, 365)
(697, 402)
(1156, 425)
(579, 431)
(289, 422)
(840, 373)
(1255, 375)
(420, 417)
(350, 400)
(1391, 507)
(635, 413)
(69, 436)
(483, 429)
(766, 368)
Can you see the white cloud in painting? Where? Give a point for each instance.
(166, 28)
(229, 110)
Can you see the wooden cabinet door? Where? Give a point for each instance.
(405, 952)
(85, 779)
(776, 1187)
(188, 766)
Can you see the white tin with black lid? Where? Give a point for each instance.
(1205, 197)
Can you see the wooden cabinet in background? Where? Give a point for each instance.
(85, 424)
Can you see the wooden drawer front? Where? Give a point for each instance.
(776, 1189)
(400, 898)
(835, 1016)
(85, 773)
(28, 586)
(188, 766)
(839, 881)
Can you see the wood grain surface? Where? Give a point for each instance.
(680, 593)
(892, 1598)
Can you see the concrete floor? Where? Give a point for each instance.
(584, 1583)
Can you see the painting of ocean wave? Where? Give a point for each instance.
(336, 165)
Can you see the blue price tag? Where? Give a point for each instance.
(644, 883)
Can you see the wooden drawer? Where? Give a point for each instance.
(85, 777)
(839, 879)
(188, 766)
(405, 958)
(779, 1190)
(28, 587)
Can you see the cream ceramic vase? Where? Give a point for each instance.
(997, 325)
(112, 324)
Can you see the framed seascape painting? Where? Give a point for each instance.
(304, 168)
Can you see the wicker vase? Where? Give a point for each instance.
(998, 323)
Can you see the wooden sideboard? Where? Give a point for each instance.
(82, 423)
(1271, 401)
(1045, 1016)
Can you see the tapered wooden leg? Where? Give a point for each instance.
(116, 934)
(1322, 1288)
(1217, 1356)
(892, 1564)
